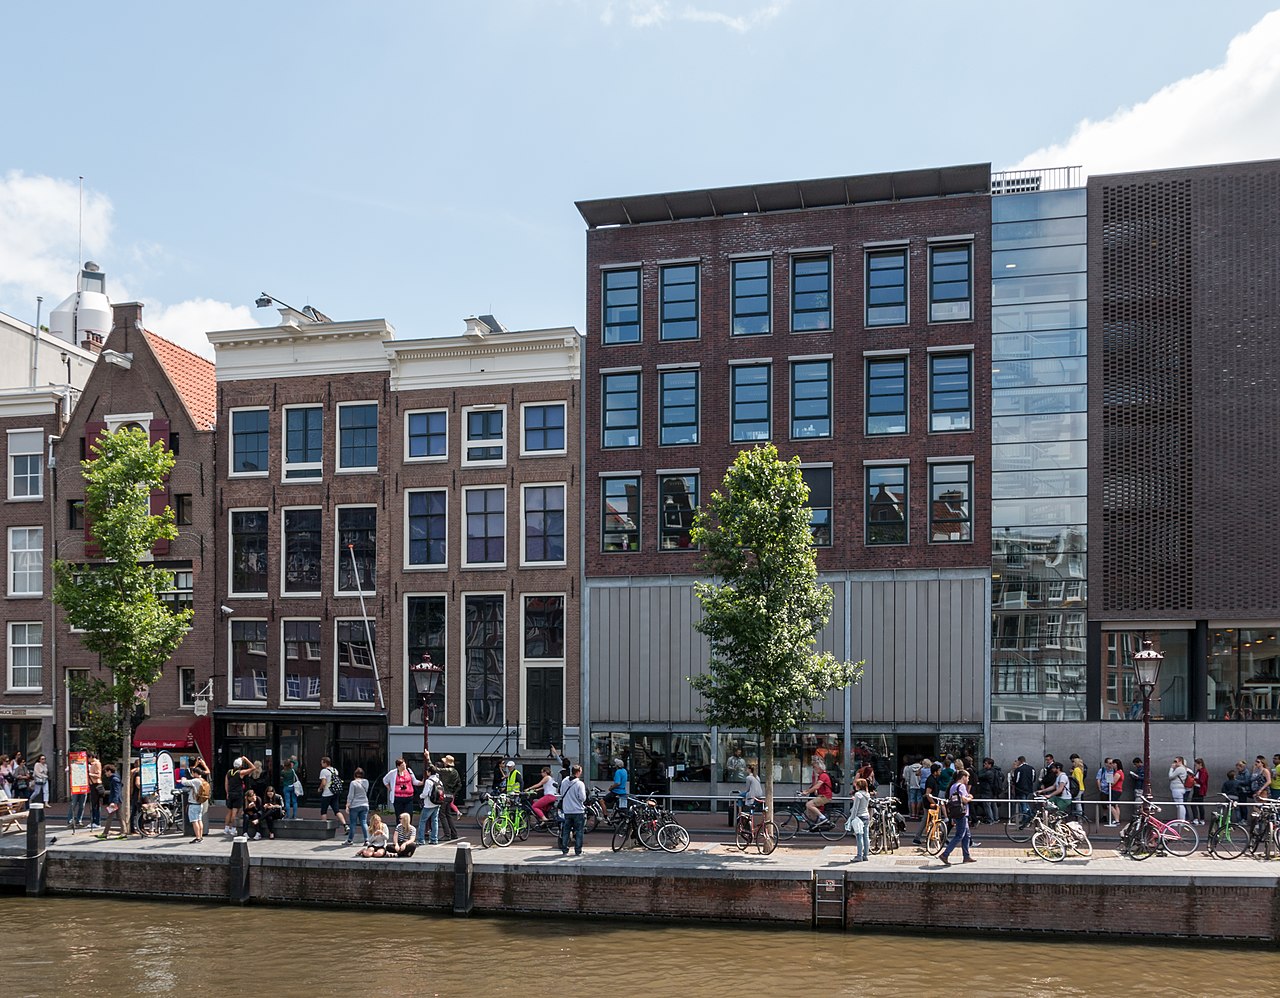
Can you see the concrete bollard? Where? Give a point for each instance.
(462, 869)
(239, 889)
(35, 885)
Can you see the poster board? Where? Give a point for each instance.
(148, 774)
(164, 775)
(79, 765)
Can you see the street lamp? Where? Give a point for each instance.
(1146, 670)
(426, 679)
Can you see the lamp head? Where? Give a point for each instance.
(426, 676)
(1146, 666)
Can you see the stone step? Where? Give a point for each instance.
(307, 828)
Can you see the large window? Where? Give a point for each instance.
(486, 435)
(622, 306)
(426, 435)
(820, 504)
(248, 660)
(678, 423)
(249, 552)
(621, 394)
(356, 682)
(1244, 671)
(425, 631)
(302, 552)
(678, 496)
(750, 402)
(810, 293)
(950, 392)
(249, 441)
(358, 436)
(679, 286)
(543, 523)
(486, 540)
(300, 643)
(26, 561)
(427, 513)
(543, 428)
(620, 514)
(484, 656)
(887, 287)
(751, 297)
(886, 504)
(544, 627)
(950, 282)
(25, 655)
(357, 554)
(887, 395)
(182, 595)
(950, 502)
(810, 399)
(303, 442)
(26, 480)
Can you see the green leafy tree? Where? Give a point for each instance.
(97, 722)
(763, 609)
(117, 603)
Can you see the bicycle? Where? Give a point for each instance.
(155, 817)
(1228, 839)
(795, 821)
(764, 836)
(887, 825)
(1146, 834)
(1265, 831)
(1055, 832)
(937, 830)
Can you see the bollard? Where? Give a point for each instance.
(186, 821)
(239, 889)
(35, 850)
(462, 868)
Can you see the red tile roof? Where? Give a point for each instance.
(192, 376)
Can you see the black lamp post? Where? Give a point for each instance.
(1146, 670)
(426, 679)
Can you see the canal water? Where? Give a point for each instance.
(73, 948)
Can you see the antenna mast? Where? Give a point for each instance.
(80, 233)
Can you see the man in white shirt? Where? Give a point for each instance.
(573, 802)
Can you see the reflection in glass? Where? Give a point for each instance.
(1121, 698)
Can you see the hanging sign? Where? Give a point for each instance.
(79, 762)
(148, 774)
(164, 774)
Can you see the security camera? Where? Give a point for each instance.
(226, 610)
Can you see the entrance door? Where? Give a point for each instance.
(648, 764)
(314, 743)
(544, 707)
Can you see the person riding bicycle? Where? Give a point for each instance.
(543, 795)
(819, 794)
(617, 795)
(1058, 792)
(751, 796)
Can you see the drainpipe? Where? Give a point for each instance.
(51, 495)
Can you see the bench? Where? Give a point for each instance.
(13, 813)
(306, 828)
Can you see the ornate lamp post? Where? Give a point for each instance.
(1146, 670)
(426, 679)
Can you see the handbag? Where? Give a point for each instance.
(297, 788)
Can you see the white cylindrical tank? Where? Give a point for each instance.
(86, 311)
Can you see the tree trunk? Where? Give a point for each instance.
(126, 777)
(766, 763)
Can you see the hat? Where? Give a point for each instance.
(617, 762)
(447, 760)
(510, 764)
(238, 762)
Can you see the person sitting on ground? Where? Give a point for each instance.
(404, 837)
(378, 839)
(272, 811)
(819, 793)
(251, 821)
(543, 795)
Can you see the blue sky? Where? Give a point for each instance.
(419, 161)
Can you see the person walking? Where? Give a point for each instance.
(40, 781)
(358, 806)
(958, 798)
(432, 798)
(330, 791)
(112, 788)
(451, 781)
(860, 820)
(96, 793)
(573, 804)
(1178, 780)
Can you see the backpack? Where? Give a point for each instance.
(335, 783)
(955, 806)
(1190, 782)
(202, 793)
(436, 794)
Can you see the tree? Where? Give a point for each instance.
(97, 721)
(117, 603)
(764, 608)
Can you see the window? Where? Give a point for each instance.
(26, 561)
(248, 660)
(484, 658)
(750, 402)
(679, 286)
(426, 435)
(679, 405)
(543, 428)
(249, 552)
(77, 716)
(182, 595)
(950, 511)
(810, 293)
(810, 399)
(950, 398)
(950, 282)
(820, 507)
(678, 496)
(486, 441)
(300, 647)
(186, 687)
(357, 436)
(26, 658)
(620, 514)
(26, 479)
(355, 651)
(357, 555)
(887, 287)
(182, 509)
(621, 394)
(887, 395)
(427, 528)
(425, 631)
(544, 627)
(303, 442)
(249, 441)
(175, 443)
(302, 552)
(751, 297)
(75, 514)
(887, 504)
(622, 306)
(543, 523)
(486, 526)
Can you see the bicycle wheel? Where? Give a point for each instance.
(834, 831)
(877, 839)
(482, 812)
(1014, 830)
(742, 832)
(1048, 846)
(1180, 838)
(934, 839)
(152, 823)
(788, 826)
(767, 838)
(486, 834)
(1229, 841)
(620, 836)
(1142, 843)
(504, 830)
(1080, 844)
(591, 820)
(523, 826)
(673, 838)
(647, 832)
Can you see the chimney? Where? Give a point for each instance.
(92, 342)
(125, 318)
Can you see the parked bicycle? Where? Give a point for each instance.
(794, 821)
(1228, 839)
(653, 826)
(753, 828)
(1145, 834)
(1264, 832)
(887, 825)
(1054, 832)
(156, 816)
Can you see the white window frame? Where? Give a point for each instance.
(14, 452)
(525, 562)
(190, 591)
(426, 566)
(183, 703)
(10, 646)
(430, 457)
(339, 468)
(306, 704)
(13, 564)
(285, 465)
(564, 406)
(466, 439)
(231, 547)
(231, 443)
(340, 552)
(362, 704)
(231, 657)
(462, 533)
(305, 594)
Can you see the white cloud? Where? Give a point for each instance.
(1226, 114)
(654, 13)
(186, 322)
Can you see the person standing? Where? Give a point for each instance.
(358, 806)
(233, 784)
(958, 794)
(111, 786)
(1178, 775)
(1201, 790)
(860, 820)
(330, 791)
(403, 783)
(911, 783)
(75, 814)
(432, 798)
(573, 803)
(511, 779)
(1024, 787)
(96, 793)
(40, 781)
(197, 793)
(289, 788)
(990, 785)
(453, 794)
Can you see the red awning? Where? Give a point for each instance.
(181, 732)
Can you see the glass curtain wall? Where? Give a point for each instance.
(1038, 448)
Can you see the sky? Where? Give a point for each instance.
(419, 161)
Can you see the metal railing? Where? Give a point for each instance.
(1054, 178)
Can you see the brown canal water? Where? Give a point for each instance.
(74, 948)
